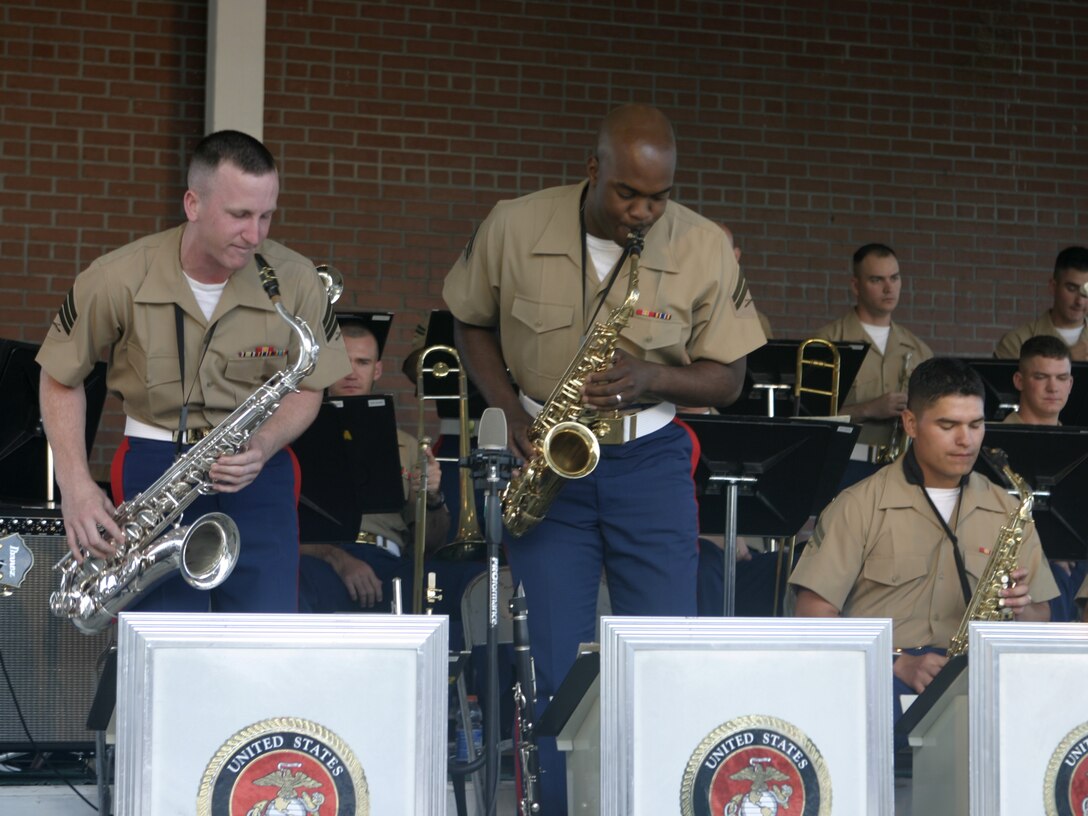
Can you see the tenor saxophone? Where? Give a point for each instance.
(92, 593)
(997, 575)
(565, 432)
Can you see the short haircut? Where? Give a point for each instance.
(863, 252)
(356, 328)
(1044, 345)
(942, 377)
(1074, 257)
(231, 146)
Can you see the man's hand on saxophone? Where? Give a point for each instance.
(1018, 599)
(297, 410)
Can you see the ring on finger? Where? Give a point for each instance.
(619, 399)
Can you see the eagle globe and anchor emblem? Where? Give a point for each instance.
(756, 766)
(284, 766)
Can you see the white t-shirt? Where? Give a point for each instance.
(878, 334)
(207, 295)
(944, 499)
(603, 253)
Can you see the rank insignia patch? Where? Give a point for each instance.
(756, 765)
(1065, 788)
(284, 765)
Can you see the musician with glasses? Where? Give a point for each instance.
(910, 541)
(195, 286)
(349, 576)
(538, 274)
(1067, 317)
(877, 397)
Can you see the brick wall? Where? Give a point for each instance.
(947, 129)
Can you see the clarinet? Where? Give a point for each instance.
(525, 702)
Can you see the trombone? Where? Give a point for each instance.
(805, 361)
(439, 362)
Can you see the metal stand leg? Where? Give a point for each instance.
(103, 771)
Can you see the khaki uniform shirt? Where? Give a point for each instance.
(879, 373)
(522, 272)
(1008, 348)
(880, 551)
(1013, 418)
(123, 305)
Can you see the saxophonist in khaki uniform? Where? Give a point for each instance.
(539, 273)
(910, 541)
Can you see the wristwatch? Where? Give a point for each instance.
(435, 502)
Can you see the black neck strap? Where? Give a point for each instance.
(183, 419)
(611, 275)
(913, 473)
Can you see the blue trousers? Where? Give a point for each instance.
(265, 578)
(634, 519)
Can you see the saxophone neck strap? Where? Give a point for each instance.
(913, 472)
(183, 419)
(611, 275)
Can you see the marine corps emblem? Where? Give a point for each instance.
(283, 767)
(756, 766)
(1065, 789)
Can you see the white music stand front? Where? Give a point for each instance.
(1026, 694)
(666, 683)
(189, 684)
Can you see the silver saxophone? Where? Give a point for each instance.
(92, 593)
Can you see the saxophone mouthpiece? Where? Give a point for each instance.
(635, 242)
(268, 277)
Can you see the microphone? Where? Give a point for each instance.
(492, 434)
(492, 462)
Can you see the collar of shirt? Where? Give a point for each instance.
(165, 283)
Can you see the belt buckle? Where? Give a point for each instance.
(610, 430)
(191, 435)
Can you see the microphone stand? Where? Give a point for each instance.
(491, 470)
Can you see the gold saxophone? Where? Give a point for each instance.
(565, 432)
(986, 602)
(897, 446)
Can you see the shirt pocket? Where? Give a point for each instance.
(653, 334)
(244, 375)
(162, 376)
(897, 570)
(550, 339)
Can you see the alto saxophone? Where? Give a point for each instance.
(899, 442)
(986, 602)
(564, 434)
(92, 593)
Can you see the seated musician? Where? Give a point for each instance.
(910, 541)
(1067, 317)
(877, 396)
(358, 575)
(1044, 379)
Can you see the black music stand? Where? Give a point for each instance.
(771, 374)
(350, 463)
(764, 477)
(439, 332)
(1001, 398)
(1054, 462)
(25, 472)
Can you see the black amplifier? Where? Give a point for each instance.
(52, 667)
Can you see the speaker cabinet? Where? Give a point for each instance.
(52, 668)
